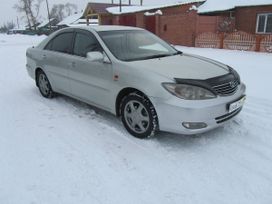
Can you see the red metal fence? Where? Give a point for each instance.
(235, 41)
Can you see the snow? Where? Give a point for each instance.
(64, 151)
(71, 19)
(133, 9)
(215, 5)
(158, 12)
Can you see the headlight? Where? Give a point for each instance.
(188, 92)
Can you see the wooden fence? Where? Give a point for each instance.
(208, 40)
(235, 41)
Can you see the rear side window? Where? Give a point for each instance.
(61, 43)
(49, 45)
(85, 43)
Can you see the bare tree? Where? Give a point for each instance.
(226, 25)
(70, 8)
(21, 7)
(31, 10)
(6, 27)
(60, 11)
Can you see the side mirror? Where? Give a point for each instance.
(95, 56)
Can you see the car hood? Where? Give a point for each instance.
(184, 66)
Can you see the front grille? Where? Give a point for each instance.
(226, 88)
(224, 85)
(228, 116)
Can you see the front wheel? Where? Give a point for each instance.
(139, 116)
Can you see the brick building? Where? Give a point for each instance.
(176, 23)
(182, 23)
(253, 17)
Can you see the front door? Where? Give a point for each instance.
(90, 81)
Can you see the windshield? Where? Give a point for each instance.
(132, 45)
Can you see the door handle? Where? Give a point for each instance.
(44, 57)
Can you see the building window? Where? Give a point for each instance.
(264, 23)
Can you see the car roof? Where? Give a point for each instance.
(88, 28)
(107, 28)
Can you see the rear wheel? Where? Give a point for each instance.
(139, 116)
(44, 85)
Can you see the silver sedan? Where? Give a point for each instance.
(137, 76)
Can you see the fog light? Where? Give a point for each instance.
(194, 126)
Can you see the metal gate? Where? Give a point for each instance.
(150, 23)
(127, 20)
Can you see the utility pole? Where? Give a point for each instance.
(18, 22)
(120, 5)
(129, 2)
(141, 2)
(48, 14)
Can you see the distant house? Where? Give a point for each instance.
(47, 26)
(177, 23)
(254, 16)
(17, 30)
(97, 12)
(72, 20)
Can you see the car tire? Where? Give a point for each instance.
(139, 116)
(44, 85)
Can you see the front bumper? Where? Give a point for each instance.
(172, 113)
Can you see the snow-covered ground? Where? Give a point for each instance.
(63, 151)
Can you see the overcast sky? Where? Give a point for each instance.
(8, 13)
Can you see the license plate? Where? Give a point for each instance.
(236, 105)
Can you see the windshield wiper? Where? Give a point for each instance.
(178, 53)
(153, 56)
(156, 56)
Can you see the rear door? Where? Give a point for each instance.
(90, 81)
(57, 60)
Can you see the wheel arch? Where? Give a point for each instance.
(37, 70)
(124, 92)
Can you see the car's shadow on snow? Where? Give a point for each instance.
(162, 139)
(178, 141)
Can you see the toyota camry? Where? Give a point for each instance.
(138, 77)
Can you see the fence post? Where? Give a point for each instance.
(221, 40)
(258, 43)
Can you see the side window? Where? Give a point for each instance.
(62, 43)
(85, 43)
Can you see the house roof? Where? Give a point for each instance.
(70, 19)
(99, 8)
(84, 21)
(212, 6)
(134, 9)
(45, 23)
